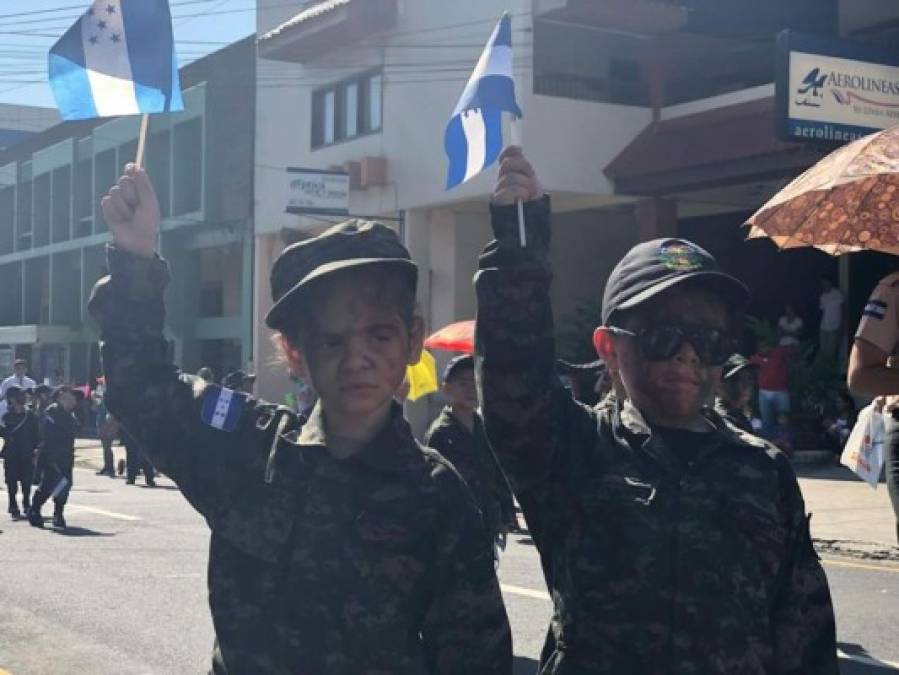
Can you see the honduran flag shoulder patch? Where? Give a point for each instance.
(222, 407)
(876, 309)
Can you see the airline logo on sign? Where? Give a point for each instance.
(834, 97)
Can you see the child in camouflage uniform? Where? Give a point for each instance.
(340, 547)
(671, 542)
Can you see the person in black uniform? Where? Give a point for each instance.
(736, 391)
(136, 461)
(458, 435)
(56, 456)
(20, 438)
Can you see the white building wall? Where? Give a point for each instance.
(570, 142)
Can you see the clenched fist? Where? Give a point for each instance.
(517, 180)
(131, 210)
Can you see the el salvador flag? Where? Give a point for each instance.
(474, 135)
(118, 59)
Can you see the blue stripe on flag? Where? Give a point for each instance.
(234, 411)
(504, 34)
(456, 147)
(495, 91)
(151, 52)
(68, 78)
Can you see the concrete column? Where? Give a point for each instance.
(418, 241)
(272, 383)
(246, 297)
(656, 218)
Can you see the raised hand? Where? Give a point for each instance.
(131, 210)
(516, 180)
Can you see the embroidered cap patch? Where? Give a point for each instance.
(680, 256)
(222, 407)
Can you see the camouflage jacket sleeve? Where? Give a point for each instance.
(161, 407)
(802, 622)
(465, 629)
(515, 346)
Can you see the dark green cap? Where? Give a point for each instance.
(354, 243)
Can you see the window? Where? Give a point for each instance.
(7, 219)
(346, 110)
(188, 167)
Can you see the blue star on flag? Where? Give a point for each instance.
(110, 9)
(101, 24)
(93, 39)
(116, 37)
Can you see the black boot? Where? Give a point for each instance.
(58, 520)
(13, 507)
(35, 517)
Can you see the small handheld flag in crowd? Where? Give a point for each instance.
(474, 136)
(117, 59)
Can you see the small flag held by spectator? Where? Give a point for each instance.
(117, 59)
(474, 135)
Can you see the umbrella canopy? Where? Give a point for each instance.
(457, 337)
(849, 201)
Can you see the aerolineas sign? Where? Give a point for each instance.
(834, 91)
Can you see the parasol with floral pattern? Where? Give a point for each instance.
(849, 201)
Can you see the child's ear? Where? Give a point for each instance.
(416, 340)
(604, 344)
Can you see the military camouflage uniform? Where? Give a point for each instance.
(470, 453)
(733, 415)
(374, 565)
(654, 566)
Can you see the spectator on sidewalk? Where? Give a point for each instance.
(773, 365)
(873, 371)
(789, 327)
(18, 378)
(19, 431)
(831, 329)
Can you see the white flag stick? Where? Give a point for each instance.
(142, 140)
(522, 233)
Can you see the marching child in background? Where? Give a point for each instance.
(56, 455)
(20, 438)
(458, 435)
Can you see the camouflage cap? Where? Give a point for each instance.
(655, 266)
(734, 364)
(353, 243)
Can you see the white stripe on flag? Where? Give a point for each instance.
(476, 134)
(222, 406)
(106, 60)
(493, 61)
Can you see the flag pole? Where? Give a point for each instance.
(142, 140)
(516, 140)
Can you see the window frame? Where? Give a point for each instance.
(339, 89)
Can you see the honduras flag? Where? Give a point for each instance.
(118, 59)
(474, 135)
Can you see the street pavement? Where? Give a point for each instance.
(123, 590)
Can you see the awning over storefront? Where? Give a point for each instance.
(325, 26)
(724, 146)
(34, 334)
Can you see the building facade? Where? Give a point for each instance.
(643, 118)
(53, 236)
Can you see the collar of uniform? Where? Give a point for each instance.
(393, 448)
(635, 425)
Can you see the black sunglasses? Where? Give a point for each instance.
(662, 342)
